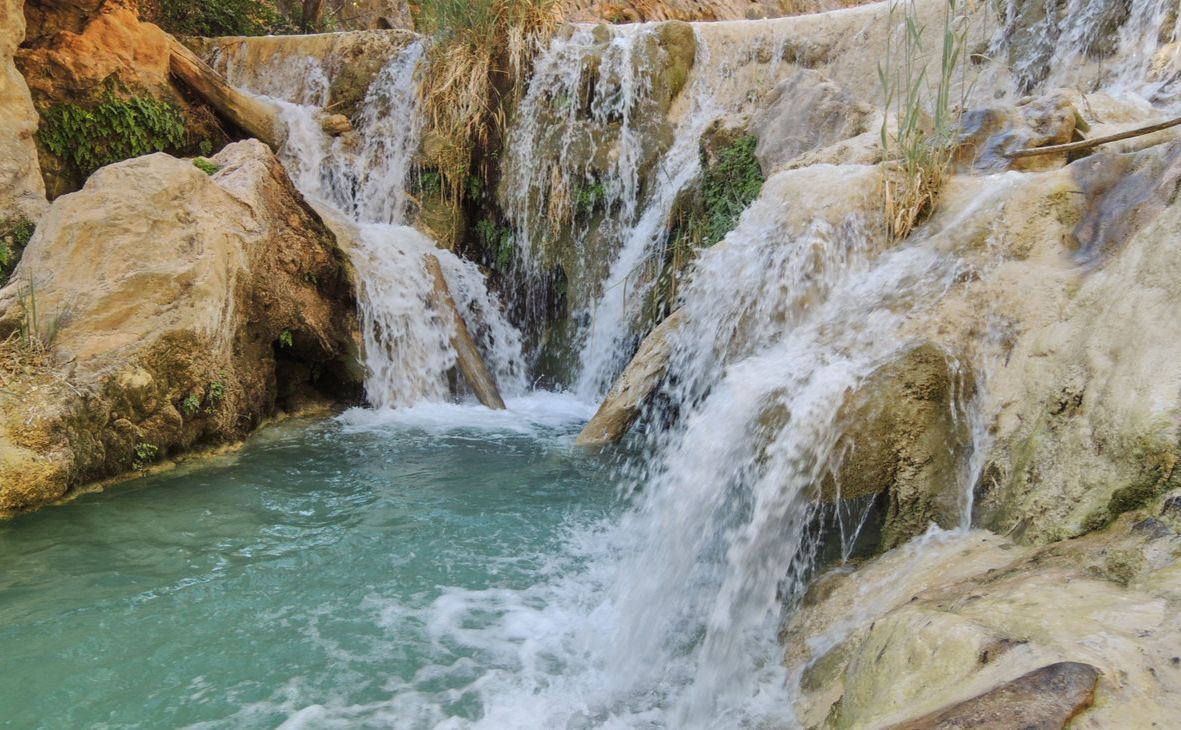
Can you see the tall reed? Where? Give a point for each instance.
(926, 112)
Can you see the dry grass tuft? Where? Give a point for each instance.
(479, 48)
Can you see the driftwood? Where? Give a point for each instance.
(471, 364)
(1089, 143)
(250, 114)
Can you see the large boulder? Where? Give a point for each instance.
(22, 192)
(161, 308)
(806, 112)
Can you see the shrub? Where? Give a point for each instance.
(206, 166)
(14, 236)
(221, 17)
(114, 130)
(729, 186)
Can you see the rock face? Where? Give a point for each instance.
(22, 192)
(176, 309)
(84, 52)
(633, 390)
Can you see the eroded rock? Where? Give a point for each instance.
(176, 309)
(806, 112)
(22, 191)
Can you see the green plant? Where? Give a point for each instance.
(217, 392)
(15, 234)
(926, 120)
(206, 166)
(111, 131)
(145, 453)
(311, 278)
(286, 339)
(191, 404)
(222, 17)
(428, 183)
(206, 147)
(588, 196)
(498, 241)
(729, 186)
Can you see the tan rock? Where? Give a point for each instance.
(634, 388)
(22, 191)
(170, 303)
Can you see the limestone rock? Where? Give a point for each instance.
(22, 192)
(177, 309)
(1044, 699)
(905, 436)
(965, 630)
(988, 135)
(806, 112)
(634, 388)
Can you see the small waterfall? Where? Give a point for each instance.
(363, 176)
(603, 97)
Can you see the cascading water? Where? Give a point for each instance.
(364, 178)
(603, 92)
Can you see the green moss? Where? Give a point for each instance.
(206, 166)
(427, 183)
(497, 242)
(87, 138)
(589, 196)
(14, 236)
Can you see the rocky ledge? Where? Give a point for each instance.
(165, 307)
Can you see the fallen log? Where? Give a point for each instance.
(471, 364)
(1089, 143)
(250, 114)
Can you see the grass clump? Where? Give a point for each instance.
(206, 166)
(478, 49)
(729, 186)
(116, 129)
(926, 120)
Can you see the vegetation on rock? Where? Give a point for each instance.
(14, 236)
(222, 17)
(113, 130)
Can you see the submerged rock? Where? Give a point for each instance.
(174, 309)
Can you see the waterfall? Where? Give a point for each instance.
(363, 178)
(602, 91)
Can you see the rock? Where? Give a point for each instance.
(634, 388)
(1044, 699)
(906, 436)
(351, 61)
(82, 53)
(988, 135)
(22, 191)
(968, 630)
(171, 304)
(806, 112)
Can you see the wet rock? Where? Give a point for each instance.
(165, 299)
(22, 192)
(1044, 699)
(1125, 193)
(904, 436)
(988, 135)
(634, 388)
(806, 112)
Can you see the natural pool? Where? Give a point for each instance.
(359, 571)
